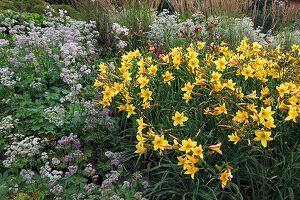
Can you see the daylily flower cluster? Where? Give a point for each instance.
(248, 91)
(193, 152)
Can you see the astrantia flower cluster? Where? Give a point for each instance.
(4, 42)
(22, 148)
(7, 77)
(237, 28)
(54, 115)
(47, 172)
(7, 123)
(27, 176)
(115, 158)
(119, 32)
(170, 27)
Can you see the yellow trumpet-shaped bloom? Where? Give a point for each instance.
(191, 169)
(263, 136)
(183, 161)
(234, 138)
(215, 77)
(224, 178)
(146, 94)
(159, 143)
(168, 77)
(266, 114)
(198, 151)
(282, 89)
(221, 109)
(221, 64)
(179, 118)
(141, 124)
(188, 87)
(293, 113)
(187, 145)
(216, 147)
(130, 109)
(200, 45)
(140, 149)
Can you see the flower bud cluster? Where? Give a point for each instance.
(90, 187)
(126, 185)
(170, 25)
(72, 169)
(91, 106)
(70, 76)
(115, 197)
(110, 179)
(68, 139)
(14, 189)
(119, 32)
(55, 161)
(145, 184)
(6, 101)
(2, 29)
(80, 196)
(44, 156)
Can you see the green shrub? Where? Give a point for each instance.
(32, 6)
(6, 4)
(37, 9)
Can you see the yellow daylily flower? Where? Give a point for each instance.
(179, 118)
(293, 113)
(263, 136)
(234, 138)
(224, 178)
(191, 169)
(159, 143)
(216, 147)
(187, 145)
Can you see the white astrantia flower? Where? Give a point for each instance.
(3, 42)
(27, 147)
(54, 115)
(6, 123)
